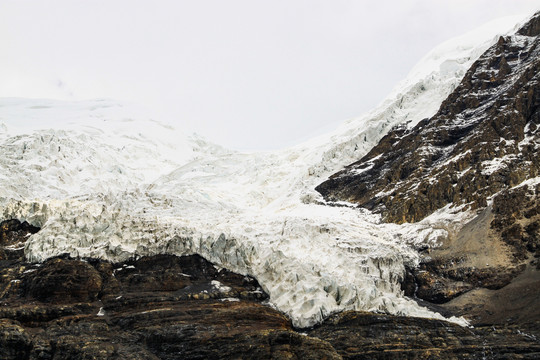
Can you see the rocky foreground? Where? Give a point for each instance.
(169, 307)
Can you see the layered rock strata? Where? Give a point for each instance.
(169, 307)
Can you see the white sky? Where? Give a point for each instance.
(247, 74)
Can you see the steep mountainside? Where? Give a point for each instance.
(483, 139)
(479, 155)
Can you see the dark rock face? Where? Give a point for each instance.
(432, 287)
(159, 307)
(517, 219)
(359, 335)
(475, 152)
(509, 230)
(483, 139)
(438, 283)
(62, 280)
(210, 314)
(170, 307)
(13, 235)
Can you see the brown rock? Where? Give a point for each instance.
(159, 307)
(15, 343)
(437, 289)
(442, 160)
(13, 235)
(62, 280)
(360, 335)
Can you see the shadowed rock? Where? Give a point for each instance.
(473, 153)
(483, 139)
(170, 307)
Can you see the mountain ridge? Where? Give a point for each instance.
(477, 155)
(444, 147)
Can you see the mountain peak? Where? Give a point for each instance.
(482, 140)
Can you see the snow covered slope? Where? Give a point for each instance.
(104, 181)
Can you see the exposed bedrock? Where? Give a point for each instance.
(159, 307)
(484, 139)
(170, 307)
(489, 271)
(359, 335)
(478, 153)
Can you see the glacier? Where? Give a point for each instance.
(103, 179)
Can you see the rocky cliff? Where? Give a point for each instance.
(480, 154)
(484, 139)
(170, 307)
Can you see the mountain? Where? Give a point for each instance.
(125, 238)
(482, 140)
(102, 179)
(478, 155)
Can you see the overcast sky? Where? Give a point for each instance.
(247, 74)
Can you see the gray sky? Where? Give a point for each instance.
(247, 74)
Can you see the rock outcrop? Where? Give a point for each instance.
(159, 307)
(484, 139)
(170, 307)
(359, 335)
(480, 152)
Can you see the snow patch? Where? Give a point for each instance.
(494, 165)
(230, 299)
(220, 287)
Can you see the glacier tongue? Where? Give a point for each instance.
(103, 181)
